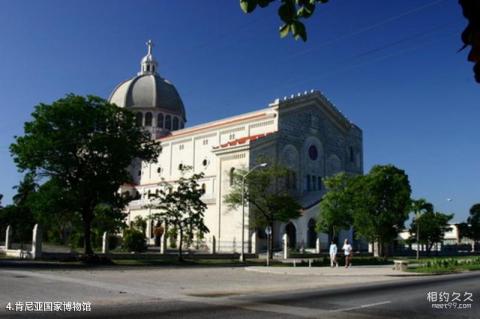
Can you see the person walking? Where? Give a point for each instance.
(347, 250)
(333, 254)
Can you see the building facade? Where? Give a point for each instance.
(305, 132)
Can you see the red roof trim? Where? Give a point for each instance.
(188, 131)
(243, 140)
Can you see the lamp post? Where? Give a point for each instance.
(418, 235)
(244, 177)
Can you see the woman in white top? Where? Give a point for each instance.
(347, 249)
(333, 254)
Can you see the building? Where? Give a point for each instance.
(305, 132)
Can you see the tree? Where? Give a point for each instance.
(471, 34)
(267, 193)
(381, 204)
(336, 211)
(419, 207)
(19, 215)
(291, 12)
(432, 225)
(180, 206)
(86, 145)
(471, 229)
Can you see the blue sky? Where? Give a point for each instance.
(391, 66)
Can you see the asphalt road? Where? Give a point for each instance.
(400, 299)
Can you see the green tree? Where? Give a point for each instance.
(419, 207)
(336, 207)
(52, 207)
(432, 226)
(291, 12)
(267, 194)
(471, 229)
(180, 206)
(86, 144)
(381, 204)
(19, 215)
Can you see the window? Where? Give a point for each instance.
(175, 123)
(139, 119)
(139, 173)
(313, 152)
(205, 142)
(205, 162)
(232, 175)
(231, 136)
(168, 122)
(319, 180)
(160, 120)
(294, 180)
(204, 188)
(308, 184)
(352, 154)
(181, 147)
(159, 170)
(314, 182)
(180, 166)
(148, 119)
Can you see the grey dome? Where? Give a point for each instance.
(148, 91)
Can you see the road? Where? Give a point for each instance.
(405, 298)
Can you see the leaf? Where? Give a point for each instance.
(287, 12)
(298, 31)
(264, 3)
(248, 5)
(284, 30)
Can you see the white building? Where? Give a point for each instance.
(305, 132)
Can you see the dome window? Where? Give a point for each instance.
(175, 123)
(168, 122)
(148, 119)
(139, 119)
(160, 120)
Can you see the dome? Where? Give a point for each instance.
(148, 90)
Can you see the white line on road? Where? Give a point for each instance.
(362, 306)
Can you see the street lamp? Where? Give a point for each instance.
(244, 177)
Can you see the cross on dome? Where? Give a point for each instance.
(148, 65)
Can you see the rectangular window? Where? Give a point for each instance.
(314, 182)
(352, 155)
(308, 183)
(319, 183)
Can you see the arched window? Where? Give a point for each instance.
(232, 175)
(148, 119)
(175, 123)
(160, 120)
(168, 122)
(139, 119)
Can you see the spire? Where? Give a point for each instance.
(148, 64)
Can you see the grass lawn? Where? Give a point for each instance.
(442, 265)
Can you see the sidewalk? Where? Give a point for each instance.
(354, 271)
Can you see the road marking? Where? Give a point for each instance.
(362, 306)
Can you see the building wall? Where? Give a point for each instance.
(288, 130)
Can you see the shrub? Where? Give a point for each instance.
(134, 240)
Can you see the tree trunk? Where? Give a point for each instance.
(270, 241)
(87, 236)
(180, 244)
